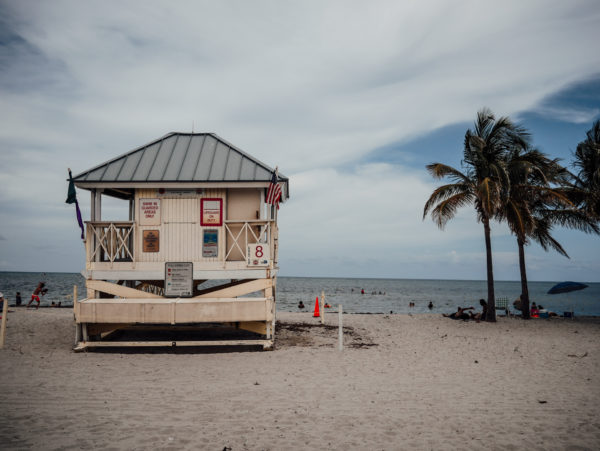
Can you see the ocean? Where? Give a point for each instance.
(381, 295)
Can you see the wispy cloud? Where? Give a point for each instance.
(313, 87)
(573, 115)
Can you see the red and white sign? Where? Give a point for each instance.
(149, 212)
(211, 212)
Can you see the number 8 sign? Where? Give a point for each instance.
(258, 254)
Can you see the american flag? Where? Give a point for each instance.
(274, 193)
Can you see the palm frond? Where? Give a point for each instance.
(442, 193)
(446, 210)
(439, 171)
(543, 237)
(573, 219)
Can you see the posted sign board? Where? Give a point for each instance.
(211, 212)
(149, 212)
(258, 254)
(179, 279)
(210, 243)
(150, 241)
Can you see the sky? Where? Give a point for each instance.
(349, 99)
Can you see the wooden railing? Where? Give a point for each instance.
(241, 233)
(110, 241)
(114, 241)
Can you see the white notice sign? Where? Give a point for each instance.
(258, 254)
(179, 279)
(149, 212)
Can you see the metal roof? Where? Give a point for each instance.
(182, 157)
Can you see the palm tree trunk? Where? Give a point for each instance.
(524, 289)
(491, 306)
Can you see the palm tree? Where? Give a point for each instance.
(537, 199)
(484, 180)
(528, 198)
(587, 161)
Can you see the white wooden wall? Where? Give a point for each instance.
(180, 230)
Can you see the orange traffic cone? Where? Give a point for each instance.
(317, 313)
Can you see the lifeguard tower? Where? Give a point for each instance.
(199, 246)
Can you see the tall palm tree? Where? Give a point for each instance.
(587, 162)
(537, 200)
(527, 208)
(482, 183)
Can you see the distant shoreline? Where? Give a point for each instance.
(341, 278)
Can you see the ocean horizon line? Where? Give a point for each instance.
(350, 277)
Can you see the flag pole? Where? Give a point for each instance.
(72, 199)
(276, 181)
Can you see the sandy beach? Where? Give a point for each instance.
(402, 382)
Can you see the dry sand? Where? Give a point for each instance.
(403, 382)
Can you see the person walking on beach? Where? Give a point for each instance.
(35, 296)
(18, 299)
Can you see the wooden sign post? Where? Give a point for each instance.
(322, 301)
(340, 329)
(75, 314)
(4, 313)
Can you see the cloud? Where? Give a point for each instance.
(298, 78)
(576, 116)
(313, 87)
(344, 218)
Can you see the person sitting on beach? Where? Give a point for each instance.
(35, 296)
(300, 304)
(484, 308)
(327, 305)
(535, 311)
(518, 304)
(18, 299)
(461, 313)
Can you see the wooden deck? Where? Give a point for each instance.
(174, 311)
(97, 319)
